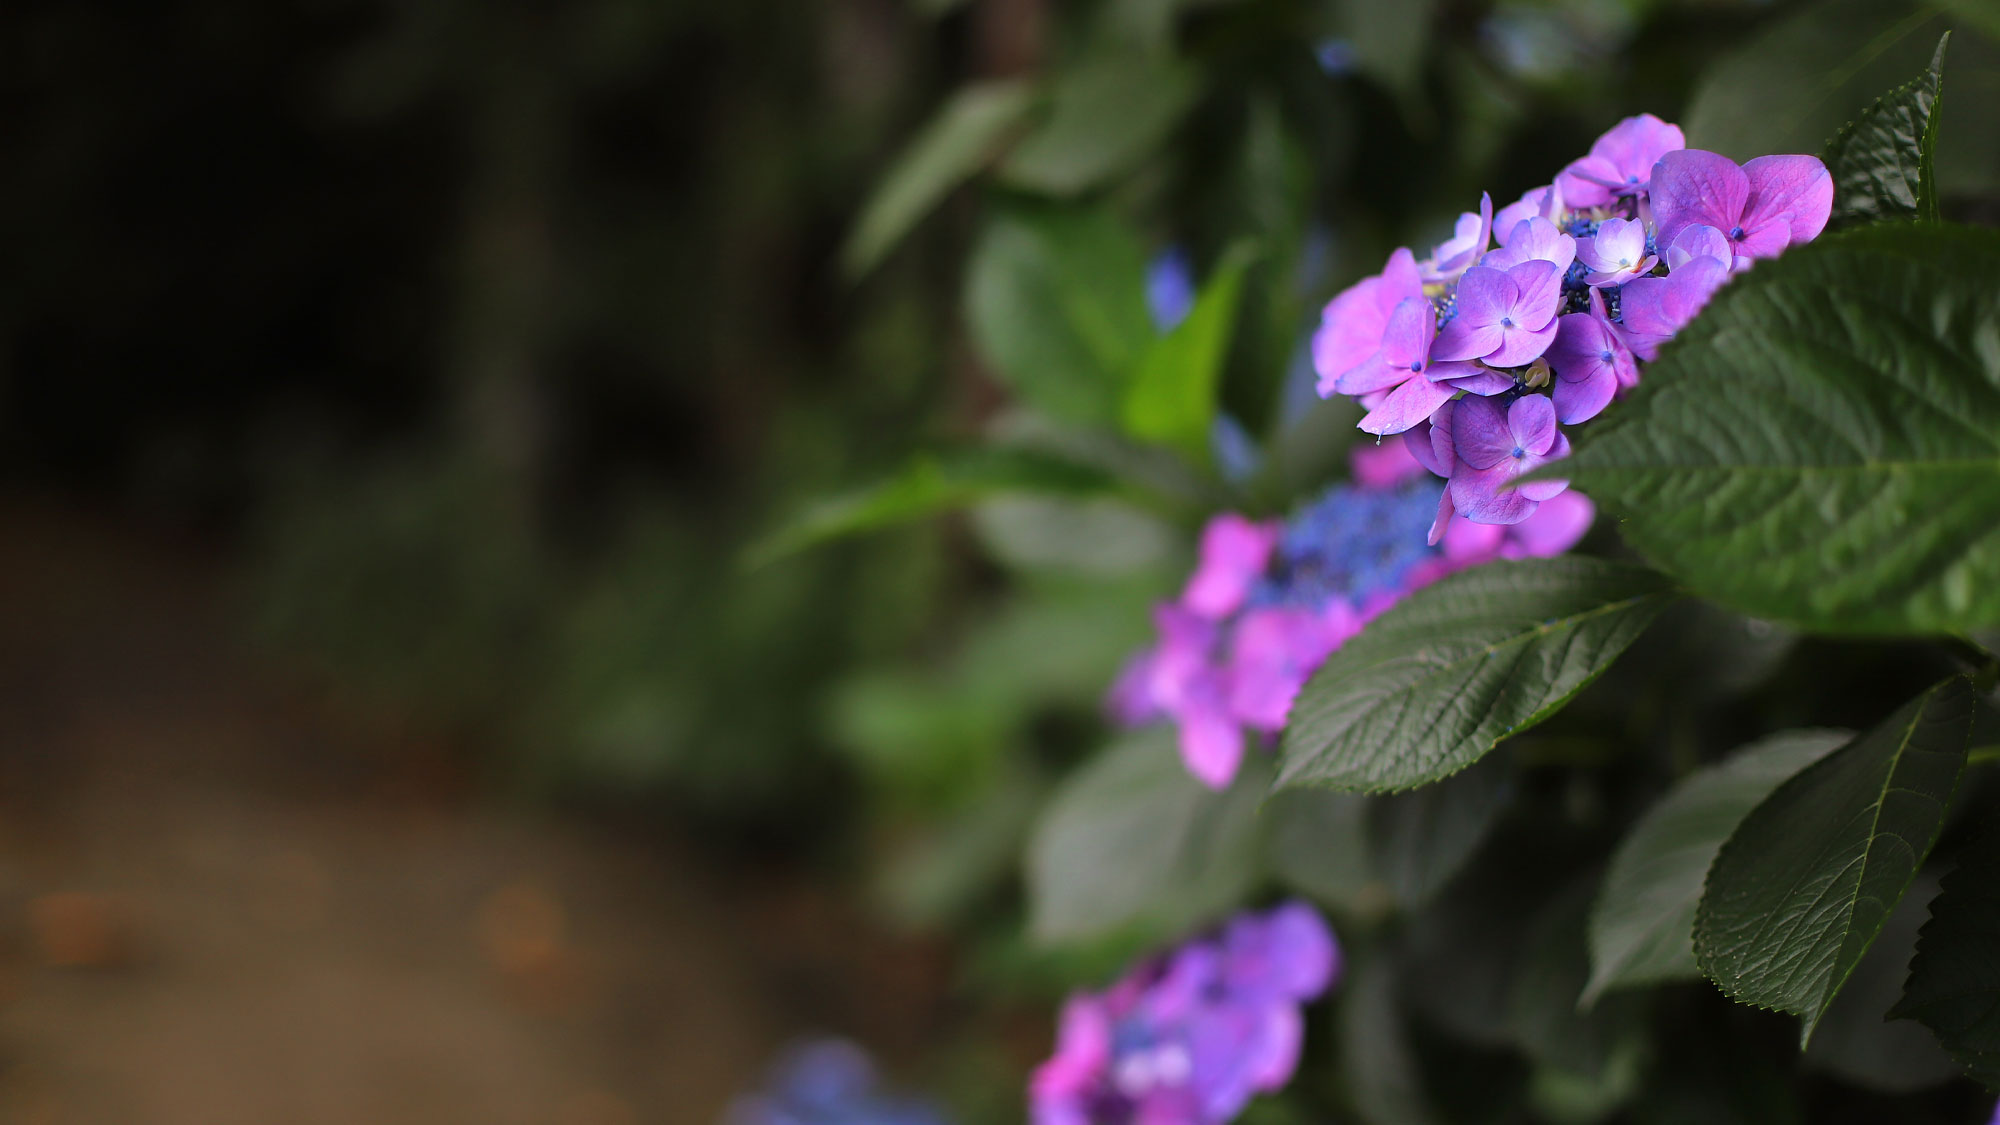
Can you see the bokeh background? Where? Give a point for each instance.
(391, 727)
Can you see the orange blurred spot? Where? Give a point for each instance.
(78, 930)
(521, 928)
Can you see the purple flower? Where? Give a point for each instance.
(1382, 464)
(827, 1082)
(1535, 239)
(1542, 202)
(1505, 318)
(1495, 445)
(1409, 385)
(1351, 329)
(1591, 362)
(1233, 553)
(1555, 527)
(1617, 253)
(1762, 207)
(1170, 289)
(1189, 683)
(1655, 308)
(1274, 650)
(1620, 162)
(1190, 1038)
(1699, 241)
(1457, 254)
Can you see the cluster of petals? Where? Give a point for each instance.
(828, 1082)
(1269, 601)
(1190, 1037)
(1539, 316)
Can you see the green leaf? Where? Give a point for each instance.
(1855, 1042)
(1431, 686)
(1419, 840)
(1642, 927)
(1172, 399)
(1109, 113)
(1822, 445)
(1801, 888)
(1056, 301)
(1882, 162)
(1319, 845)
(929, 485)
(1378, 1065)
(1954, 983)
(1133, 840)
(1599, 1046)
(965, 134)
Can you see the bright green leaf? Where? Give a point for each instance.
(1882, 162)
(1133, 840)
(967, 131)
(1642, 927)
(1821, 446)
(1431, 686)
(1800, 890)
(1954, 983)
(1419, 840)
(1172, 399)
(1056, 301)
(929, 485)
(1109, 113)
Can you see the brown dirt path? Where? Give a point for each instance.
(213, 912)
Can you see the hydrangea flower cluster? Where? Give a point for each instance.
(1479, 354)
(1269, 601)
(828, 1082)
(1189, 1038)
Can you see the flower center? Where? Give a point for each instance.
(1506, 322)
(1417, 366)
(1736, 233)
(1605, 355)
(1518, 453)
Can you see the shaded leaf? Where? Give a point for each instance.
(1642, 927)
(1132, 840)
(928, 486)
(1420, 839)
(1881, 162)
(1954, 982)
(1435, 683)
(967, 132)
(1598, 1046)
(1172, 399)
(1319, 845)
(1800, 890)
(1108, 114)
(1056, 302)
(1377, 1062)
(1855, 1042)
(1822, 445)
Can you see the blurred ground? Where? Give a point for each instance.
(223, 902)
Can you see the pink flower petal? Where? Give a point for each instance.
(1693, 186)
(1794, 186)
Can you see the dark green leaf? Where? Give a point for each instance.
(1882, 162)
(1057, 304)
(1822, 446)
(1642, 928)
(1855, 1042)
(1598, 1046)
(964, 135)
(1109, 113)
(1954, 983)
(1419, 840)
(1436, 682)
(1319, 845)
(1804, 884)
(929, 485)
(1172, 399)
(1377, 1063)
(1133, 840)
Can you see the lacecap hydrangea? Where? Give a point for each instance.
(1479, 354)
(1270, 600)
(1190, 1037)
